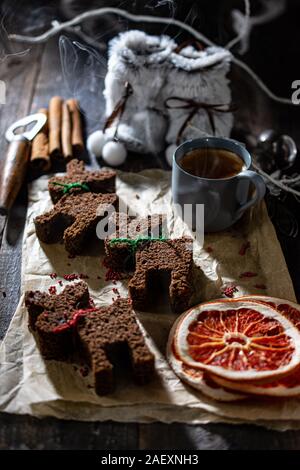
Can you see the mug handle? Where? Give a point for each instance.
(260, 190)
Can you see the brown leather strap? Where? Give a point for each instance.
(119, 108)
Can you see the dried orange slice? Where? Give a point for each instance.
(240, 340)
(198, 379)
(288, 309)
(286, 386)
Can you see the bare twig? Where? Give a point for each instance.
(103, 11)
(58, 27)
(276, 182)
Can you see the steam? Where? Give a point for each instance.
(83, 70)
(243, 24)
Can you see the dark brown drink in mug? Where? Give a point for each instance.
(214, 172)
(212, 163)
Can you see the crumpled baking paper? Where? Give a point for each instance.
(30, 385)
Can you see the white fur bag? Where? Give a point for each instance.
(160, 94)
(197, 94)
(139, 60)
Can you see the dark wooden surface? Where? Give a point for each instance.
(30, 82)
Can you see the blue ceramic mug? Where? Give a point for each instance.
(225, 199)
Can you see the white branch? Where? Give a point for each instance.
(243, 23)
(103, 11)
(139, 19)
(276, 182)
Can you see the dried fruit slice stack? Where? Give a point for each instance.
(229, 349)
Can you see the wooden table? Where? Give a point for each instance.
(30, 82)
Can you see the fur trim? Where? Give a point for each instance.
(156, 72)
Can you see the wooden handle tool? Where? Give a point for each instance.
(14, 165)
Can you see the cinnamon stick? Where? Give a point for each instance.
(66, 133)
(55, 117)
(77, 133)
(40, 158)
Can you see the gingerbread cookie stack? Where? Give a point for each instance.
(81, 199)
(66, 321)
(141, 245)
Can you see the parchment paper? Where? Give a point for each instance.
(28, 384)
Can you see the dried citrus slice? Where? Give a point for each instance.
(289, 309)
(198, 379)
(239, 340)
(286, 386)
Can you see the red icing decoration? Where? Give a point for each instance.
(71, 323)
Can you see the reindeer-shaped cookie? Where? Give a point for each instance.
(73, 220)
(67, 320)
(78, 180)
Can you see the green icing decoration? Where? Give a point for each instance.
(133, 243)
(68, 186)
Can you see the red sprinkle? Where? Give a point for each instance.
(244, 248)
(230, 290)
(53, 275)
(260, 286)
(71, 277)
(248, 274)
(52, 290)
(60, 282)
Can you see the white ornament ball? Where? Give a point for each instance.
(96, 142)
(114, 153)
(169, 153)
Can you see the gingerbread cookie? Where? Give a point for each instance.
(130, 233)
(66, 320)
(173, 258)
(114, 332)
(48, 311)
(73, 220)
(79, 180)
(152, 257)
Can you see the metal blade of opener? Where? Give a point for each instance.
(38, 120)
